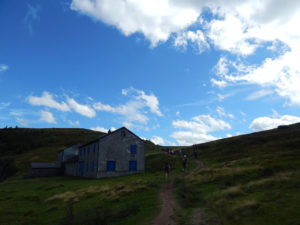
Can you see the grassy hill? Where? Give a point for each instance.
(39, 145)
(249, 179)
(72, 200)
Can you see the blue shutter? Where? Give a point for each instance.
(94, 148)
(132, 165)
(111, 165)
(87, 167)
(133, 149)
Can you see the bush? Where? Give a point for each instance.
(7, 168)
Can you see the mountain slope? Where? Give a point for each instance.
(249, 179)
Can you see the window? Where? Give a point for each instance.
(87, 167)
(132, 165)
(88, 150)
(83, 151)
(111, 165)
(94, 148)
(133, 149)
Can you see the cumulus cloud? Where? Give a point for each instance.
(155, 19)
(47, 117)
(266, 123)
(3, 68)
(47, 100)
(196, 130)
(158, 140)
(101, 129)
(194, 37)
(84, 110)
(237, 27)
(134, 110)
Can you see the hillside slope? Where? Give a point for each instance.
(249, 179)
(27, 145)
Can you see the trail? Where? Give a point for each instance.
(168, 201)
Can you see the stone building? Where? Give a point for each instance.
(117, 153)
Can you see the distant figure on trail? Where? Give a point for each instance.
(195, 154)
(184, 159)
(167, 170)
(180, 152)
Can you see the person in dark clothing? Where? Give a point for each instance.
(195, 154)
(184, 160)
(167, 170)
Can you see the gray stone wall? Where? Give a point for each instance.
(93, 157)
(117, 147)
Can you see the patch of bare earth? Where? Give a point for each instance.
(169, 203)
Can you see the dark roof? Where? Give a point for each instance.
(44, 165)
(103, 136)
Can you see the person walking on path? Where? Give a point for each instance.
(195, 154)
(184, 160)
(167, 170)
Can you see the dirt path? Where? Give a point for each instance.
(168, 201)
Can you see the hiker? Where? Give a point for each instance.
(184, 159)
(195, 154)
(167, 170)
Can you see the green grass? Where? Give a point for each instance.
(250, 179)
(70, 200)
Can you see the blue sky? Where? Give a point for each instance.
(175, 72)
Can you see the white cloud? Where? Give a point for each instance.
(3, 68)
(22, 121)
(47, 117)
(47, 100)
(4, 105)
(195, 37)
(150, 101)
(221, 112)
(197, 129)
(218, 83)
(84, 110)
(266, 123)
(177, 113)
(74, 123)
(32, 15)
(185, 138)
(155, 19)
(135, 109)
(158, 140)
(101, 129)
(259, 94)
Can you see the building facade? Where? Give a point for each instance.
(117, 153)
